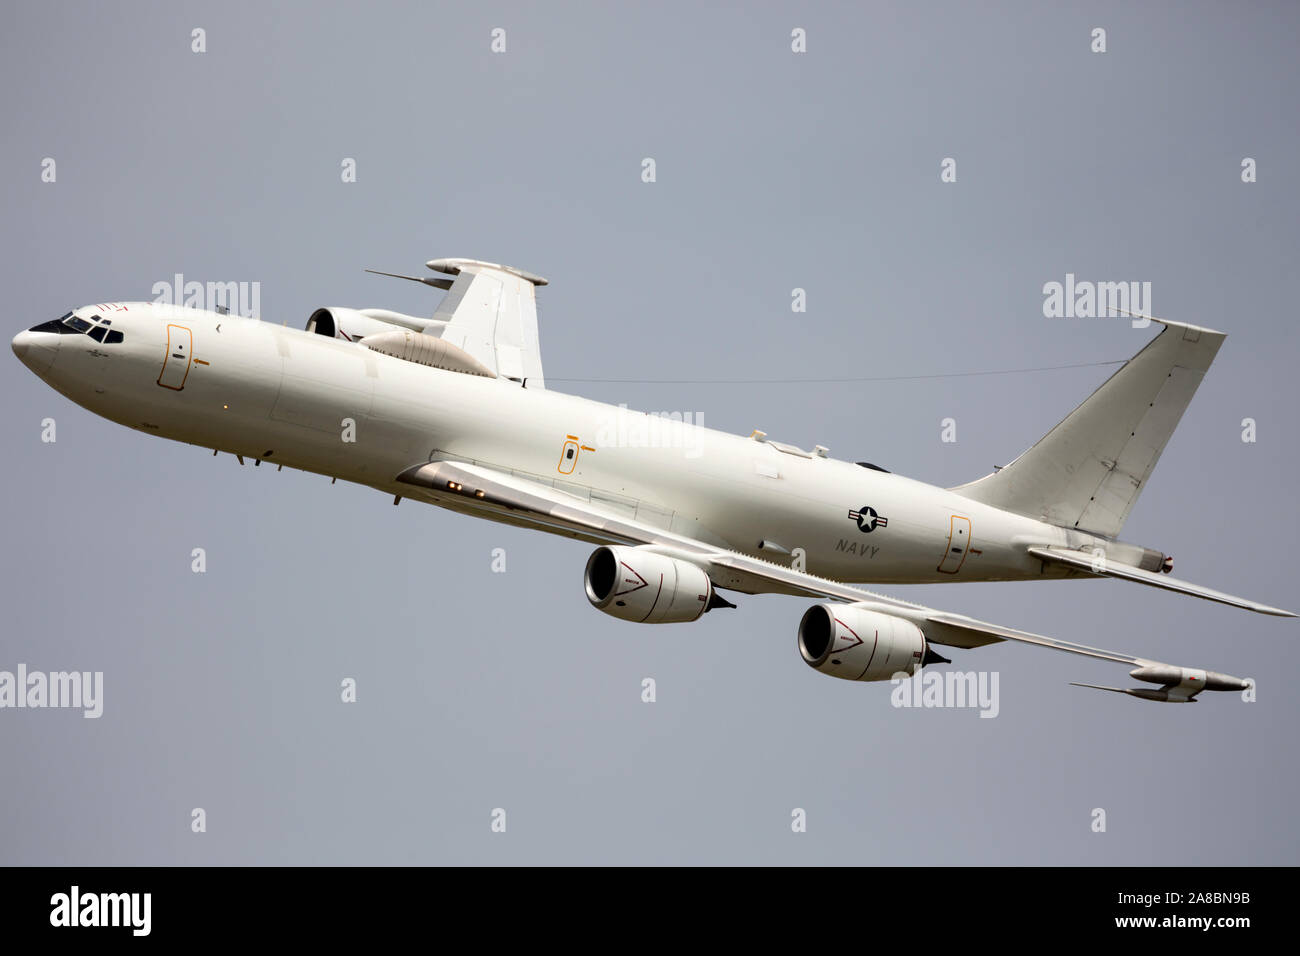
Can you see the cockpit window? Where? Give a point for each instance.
(57, 326)
(72, 325)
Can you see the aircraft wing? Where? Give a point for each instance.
(490, 311)
(1082, 561)
(540, 505)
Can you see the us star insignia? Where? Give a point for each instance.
(868, 520)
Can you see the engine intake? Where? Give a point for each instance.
(634, 584)
(853, 643)
(354, 324)
(347, 324)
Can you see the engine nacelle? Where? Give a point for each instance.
(634, 584)
(853, 643)
(348, 324)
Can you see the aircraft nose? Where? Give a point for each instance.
(36, 350)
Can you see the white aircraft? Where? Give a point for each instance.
(452, 410)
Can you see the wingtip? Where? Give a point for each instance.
(1271, 611)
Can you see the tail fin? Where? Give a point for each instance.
(489, 311)
(1087, 472)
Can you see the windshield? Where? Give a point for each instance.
(73, 325)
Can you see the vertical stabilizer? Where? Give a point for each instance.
(1088, 471)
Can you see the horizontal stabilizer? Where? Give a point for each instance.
(454, 267)
(1082, 561)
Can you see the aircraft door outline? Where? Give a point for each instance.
(176, 363)
(959, 539)
(568, 455)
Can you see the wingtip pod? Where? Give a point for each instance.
(1180, 684)
(1190, 678)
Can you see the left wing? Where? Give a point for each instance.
(525, 500)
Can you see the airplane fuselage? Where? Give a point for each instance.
(321, 404)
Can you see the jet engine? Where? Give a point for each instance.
(635, 584)
(853, 643)
(355, 324)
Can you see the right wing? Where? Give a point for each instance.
(528, 501)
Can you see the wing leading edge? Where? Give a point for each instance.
(529, 501)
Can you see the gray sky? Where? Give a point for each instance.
(775, 170)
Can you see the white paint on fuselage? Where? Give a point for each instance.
(282, 394)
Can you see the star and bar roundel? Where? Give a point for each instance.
(868, 519)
